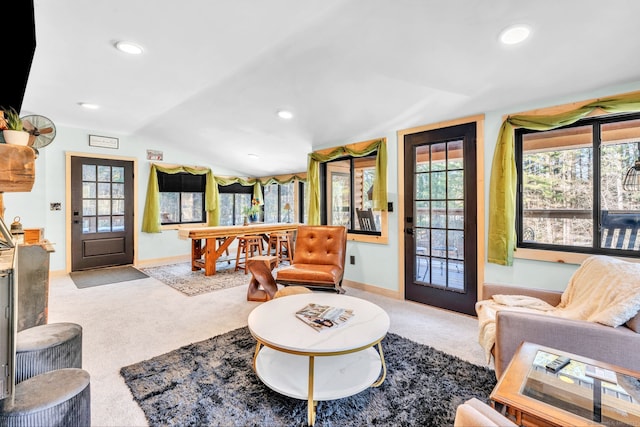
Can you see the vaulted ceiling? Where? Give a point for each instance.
(214, 73)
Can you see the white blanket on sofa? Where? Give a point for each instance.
(603, 289)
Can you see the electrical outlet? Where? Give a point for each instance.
(352, 259)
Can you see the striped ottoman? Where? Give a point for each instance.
(46, 348)
(54, 399)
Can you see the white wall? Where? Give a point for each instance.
(375, 265)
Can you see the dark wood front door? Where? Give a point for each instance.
(101, 213)
(440, 217)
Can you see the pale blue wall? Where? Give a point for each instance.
(376, 264)
(33, 207)
(527, 273)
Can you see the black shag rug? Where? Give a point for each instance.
(211, 383)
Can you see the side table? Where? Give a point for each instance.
(585, 392)
(254, 291)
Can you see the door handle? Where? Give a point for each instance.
(409, 230)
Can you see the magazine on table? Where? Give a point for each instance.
(323, 317)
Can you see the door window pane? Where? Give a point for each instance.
(117, 223)
(117, 207)
(89, 225)
(88, 172)
(117, 191)
(88, 190)
(104, 224)
(104, 173)
(104, 190)
(88, 207)
(117, 174)
(104, 207)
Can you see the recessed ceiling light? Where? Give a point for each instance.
(88, 106)
(515, 34)
(128, 47)
(284, 114)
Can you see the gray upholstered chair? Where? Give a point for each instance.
(475, 413)
(589, 339)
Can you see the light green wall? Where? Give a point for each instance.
(376, 265)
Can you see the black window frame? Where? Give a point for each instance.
(280, 211)
(183, 182)
(237, 188)
(323, 193)
(596, 248)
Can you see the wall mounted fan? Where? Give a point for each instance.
(41, 130)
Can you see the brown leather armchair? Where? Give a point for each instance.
(318, 259)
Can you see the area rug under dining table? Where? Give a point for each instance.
(211, 383)
(191, 283)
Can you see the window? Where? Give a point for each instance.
(571, 196)
(181, 198)
(279, 202)
(348, 188)
(234, 199)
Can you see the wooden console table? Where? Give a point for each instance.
(205, 256)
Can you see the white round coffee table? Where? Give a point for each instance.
(293, 359)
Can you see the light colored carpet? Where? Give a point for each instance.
(105, 276)
(180, 277)
(124, 324)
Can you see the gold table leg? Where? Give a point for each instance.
(384, 367)
(311, 404)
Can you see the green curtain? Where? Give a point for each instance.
(247, 182)
(275, 180)
(379, 197)
(503, 182)
(151, 216)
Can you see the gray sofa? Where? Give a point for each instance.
(619, 346)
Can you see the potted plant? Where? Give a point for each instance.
(252, 211)
(12, 129)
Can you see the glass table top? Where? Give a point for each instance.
(597, 394)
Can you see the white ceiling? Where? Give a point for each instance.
(214, 73)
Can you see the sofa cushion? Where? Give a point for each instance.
(634, 323)
(311, 274)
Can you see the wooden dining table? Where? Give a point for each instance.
(205, 256)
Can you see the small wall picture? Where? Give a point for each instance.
(154, 155)
(103, 141)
